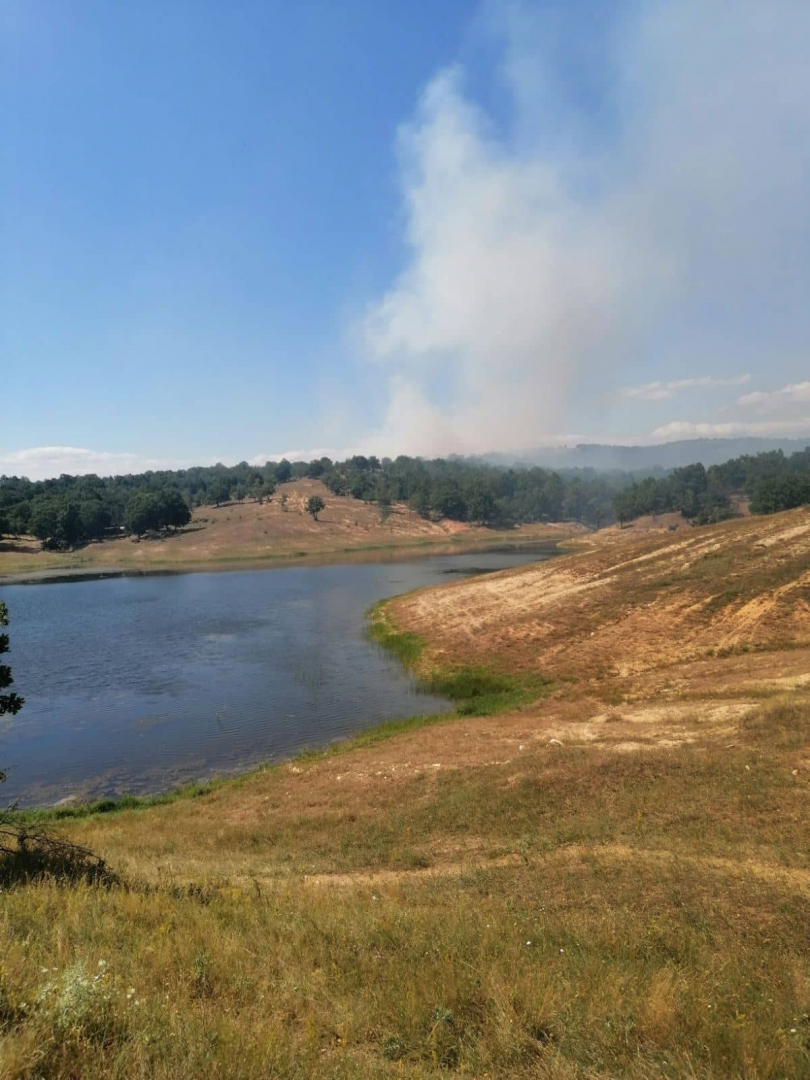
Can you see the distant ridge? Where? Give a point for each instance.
(669, 455)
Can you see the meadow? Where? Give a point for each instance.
(588, 871)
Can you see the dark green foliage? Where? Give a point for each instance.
(10, 703)
(772, 481)
(314, 506)
(218, 490)
(147, 511)
(71, 510)
(781, 493)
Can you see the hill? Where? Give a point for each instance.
(631, 602)
(249, 532)
(596, 869)
(666, 455)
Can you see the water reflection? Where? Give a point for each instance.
(136, 684)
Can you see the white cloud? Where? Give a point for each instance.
(661, 391)
(44, 462)
(797, 394)
(688, 429)
(542, 262)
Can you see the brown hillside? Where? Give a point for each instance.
(628, 603)
(248, 532)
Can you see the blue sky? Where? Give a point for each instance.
(234, 230)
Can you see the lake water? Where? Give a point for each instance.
(138, 684)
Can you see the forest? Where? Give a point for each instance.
(69, 511)
(770, 481)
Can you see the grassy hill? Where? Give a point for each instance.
(598, 868)
(242, 533)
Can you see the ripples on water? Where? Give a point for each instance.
(135, 685)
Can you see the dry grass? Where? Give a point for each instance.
(240, 534)
(579, 913)
(626, 604)
(468, 898)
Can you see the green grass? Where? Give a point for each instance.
(575, 912)
(480, 691)
(649, 927)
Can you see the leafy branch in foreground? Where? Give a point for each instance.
(27, 851)
(10, 704)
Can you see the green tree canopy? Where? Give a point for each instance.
(10, 703)
(314, 506)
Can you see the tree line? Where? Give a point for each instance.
(68, 511)
(771, 481)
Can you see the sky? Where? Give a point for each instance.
(235, 231)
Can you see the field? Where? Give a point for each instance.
(247, 533)
(598, 868)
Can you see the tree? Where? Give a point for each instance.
(284, 500)
(43, 518)
(95, 517)
(219, 490)
(19, 517)
(11, 703)
(448, 502)
(173, 510)
(69, 530)
(283, 471)
(314, 506)
(480, 504)
(386, 509)
(141, 513)
(781, 493)
(419, 502)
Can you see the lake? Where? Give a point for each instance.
(138, 684)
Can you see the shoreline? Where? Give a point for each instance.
(368, 553)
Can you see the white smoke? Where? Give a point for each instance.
(544, 264)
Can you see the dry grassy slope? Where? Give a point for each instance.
(626, 604)
(249, 532)
(472, 898)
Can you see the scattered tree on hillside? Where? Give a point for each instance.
(314, 506)
(385, 508)
(174, 512)
(283, 501)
